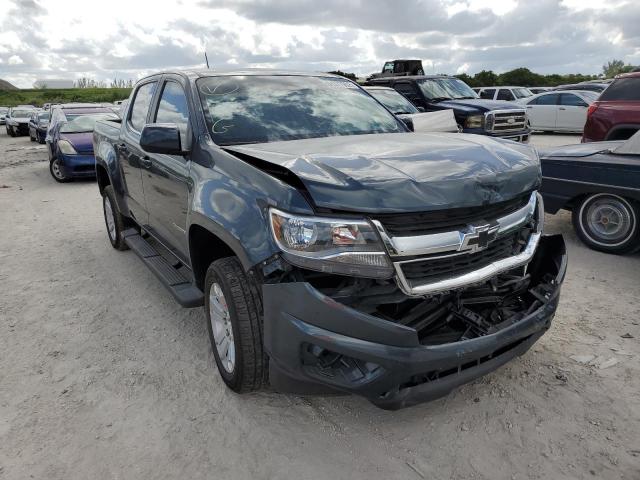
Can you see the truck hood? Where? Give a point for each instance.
(474, 105)
(401, 172)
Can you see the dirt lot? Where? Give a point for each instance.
(103, 375)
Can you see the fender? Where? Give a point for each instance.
(107, 157)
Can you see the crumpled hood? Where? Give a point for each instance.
(472, 105)
(82, 142)
(401, 172)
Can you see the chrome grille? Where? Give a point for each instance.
(499, 121)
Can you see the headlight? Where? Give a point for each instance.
(349, 247)
(66, 148)
(474, 121)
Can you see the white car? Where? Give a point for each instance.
(560, 111)
(510, 94)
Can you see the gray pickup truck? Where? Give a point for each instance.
(332, 248)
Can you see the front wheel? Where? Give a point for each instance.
(31, 137)
(608, 223)
(233, 310)
(56, 172)
(11, 132)
(113, 219)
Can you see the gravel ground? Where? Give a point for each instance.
(103, 375)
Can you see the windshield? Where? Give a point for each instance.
(521, 92)
(85, 123)
(445, 89)
(21, 113)
(394, 101)
(256, 109)
(43, 116)
(3, 110)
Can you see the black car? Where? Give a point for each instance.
(332, 248)
(495, 118)
(599, 182)
(38, 124)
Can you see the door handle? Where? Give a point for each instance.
(561, 108)
(529, 107)
(146, 162)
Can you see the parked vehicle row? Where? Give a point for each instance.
(559, 111)
(17, 120)
(332, 248)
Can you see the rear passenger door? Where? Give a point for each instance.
(572, 112)
(131, 157)
(166, 178)
(542, 111)
(505, 94)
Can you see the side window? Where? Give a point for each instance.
(388, 67)
(488, 93)
(505, 94)
(572, 100)
(408, 90)
(551, 99)
(173, 108)
(140, 107)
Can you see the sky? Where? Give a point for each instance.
(127, 39)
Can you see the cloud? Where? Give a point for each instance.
(41, 40)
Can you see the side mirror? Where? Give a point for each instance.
(161, 138)
(421, 109)
(407, 121)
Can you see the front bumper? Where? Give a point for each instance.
(521, 136)
(381, 359)
(77, 166)
(20, 128)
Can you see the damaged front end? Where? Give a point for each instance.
(455, 309)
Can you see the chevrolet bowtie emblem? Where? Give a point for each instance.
(478, 237)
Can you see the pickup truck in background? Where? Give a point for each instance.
(495, 118)
(396, 68)
(332, 248)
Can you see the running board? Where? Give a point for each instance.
(182, 289)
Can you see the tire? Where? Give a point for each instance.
(238, 326)
(11, 131)
(56, 172)
(113, 219)
(31, 138)
(608, 223)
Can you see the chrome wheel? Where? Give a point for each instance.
(109, 218)
(607, 220)
(56, 170)
(221, 327)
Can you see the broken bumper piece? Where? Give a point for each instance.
(316, 344)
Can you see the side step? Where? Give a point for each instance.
(185, 293)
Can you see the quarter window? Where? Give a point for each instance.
(140, 105)
(551, 99)
(488, 93)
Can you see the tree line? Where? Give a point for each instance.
(85, 82)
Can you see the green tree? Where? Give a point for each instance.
(521, 77)
(615, 67)
(466, 79)
(485, 78)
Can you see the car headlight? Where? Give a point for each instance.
(474, 121)
(65, 147)
(331, 245)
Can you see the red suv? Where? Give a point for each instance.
(616, 114)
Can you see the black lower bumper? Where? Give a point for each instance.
(381, 360)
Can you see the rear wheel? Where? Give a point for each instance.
(232, 308)
(113, 219)
(608, 223)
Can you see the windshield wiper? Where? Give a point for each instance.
(440, 99)
(465, 98)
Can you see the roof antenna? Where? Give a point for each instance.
(206, 59)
